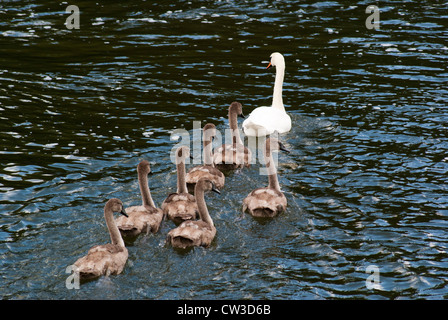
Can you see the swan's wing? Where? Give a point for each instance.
(131, 222)
(219, 156)
(191, 233)
(208, 172)
(266, 120)
(265, 198)
(168, 199)
(102, 260)
(252, 128)
(232, 154)
(151, 220)
(182, 206)
(140, 219)
(108, 248)
(244, 154)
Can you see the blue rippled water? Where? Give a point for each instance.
(366, 180)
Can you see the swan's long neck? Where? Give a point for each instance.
(144, 190)
(208, 150)
(202, 207)
(233, 123)
(277, 99)
(115, 236)
(181, 183)
(272, 170)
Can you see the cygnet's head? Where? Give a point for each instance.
(144, 167)
(236, 108)
(209, 132)
(277, 60)
(115, 205)
(206, 185)
(182, 153)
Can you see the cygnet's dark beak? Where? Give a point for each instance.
(214, 189)
(283, 148)
(241, 115)
(123, 212)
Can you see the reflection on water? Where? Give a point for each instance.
(365, 182)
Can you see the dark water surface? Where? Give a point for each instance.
(366, 180)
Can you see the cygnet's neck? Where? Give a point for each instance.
(115, 236)
(272, 170)
(181, 183)
(233, 123)
(208, 149)
(144, 190)
(202, 206)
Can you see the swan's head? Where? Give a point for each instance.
(236, 108)
(143, 167)
(206, 185)
(115, 205)
(182, 153)
(277, 60)
(209, 131)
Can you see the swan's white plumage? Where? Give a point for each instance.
(266, 120)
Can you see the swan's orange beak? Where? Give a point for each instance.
(269, 65)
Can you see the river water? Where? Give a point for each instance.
(366, 179)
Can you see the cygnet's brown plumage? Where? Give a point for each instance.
(267, 202)
(207, 170)
(235, 155)
(199, 232)
(145, 218)
(180, 206)
(108, 258)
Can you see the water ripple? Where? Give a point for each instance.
(365, 181)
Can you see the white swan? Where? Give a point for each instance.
(266, 120)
